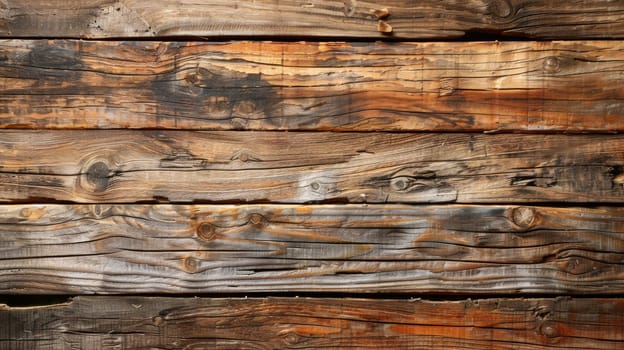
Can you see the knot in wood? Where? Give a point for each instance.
(523, 217)
(552, 65)
(191, 264)
(291, 338)
(206, 231)
(200, 77)
(315, 186)
(549, 330)
(500, 8)
(578, 266)
(400, 183)
(245, 107)
(239, 123)
(97, 210)
(349, 7)
(617, 175)
(192, 79)
(380, 13)
(245, 156)
(257, 219)
(100, 210)
(384, 27)
(98, 175)
(157, 321)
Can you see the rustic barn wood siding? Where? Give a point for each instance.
(116, 166)
(401, 19)
(320, 174)
(447, 249)
(454, 86)
(313, 323)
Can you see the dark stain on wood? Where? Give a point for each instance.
(63, 58)
(216, 92)
(98, 175)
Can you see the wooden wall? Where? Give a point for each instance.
(313, 174)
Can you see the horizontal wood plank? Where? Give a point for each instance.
(404, 19)
(526, 86)
(118, 166)
(137, 323)
(453, 249)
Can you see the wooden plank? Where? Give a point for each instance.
(313, 323)
(481, 250)
(404, 19)
(528, 86)
(118, 166)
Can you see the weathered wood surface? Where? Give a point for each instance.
(528, 86)
(123, 249)
(123, 166)
(573, 19)
(137, 323)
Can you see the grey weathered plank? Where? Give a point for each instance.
(118, 166)
(528, 86)
(405, 19)
(137, 323)
(123, 249)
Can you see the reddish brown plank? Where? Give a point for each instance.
(453, 249)
(513, 86)
(137, 323)
(120, 166)
(405, 19)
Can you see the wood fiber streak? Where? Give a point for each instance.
(513, 86)
(117, 166)
(401, 19)
(138, 323)
(477, 250)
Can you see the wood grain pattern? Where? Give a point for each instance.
(137, 323)
(117, 166)
(527, 86)
(404, 19)
(469, 250)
